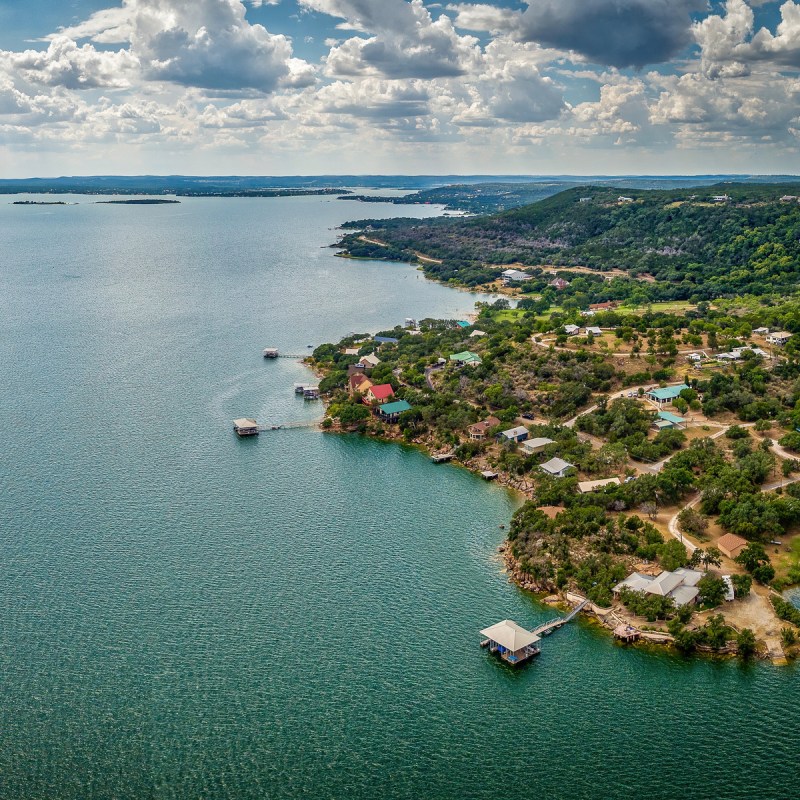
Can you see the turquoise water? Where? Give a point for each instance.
(188, 615)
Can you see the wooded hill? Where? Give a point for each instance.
(683, 242)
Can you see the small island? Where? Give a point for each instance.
(42, 203)
(148, 201)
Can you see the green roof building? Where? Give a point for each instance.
(391, 411)
(466, 357)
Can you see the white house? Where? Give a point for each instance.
(572, 330)
(533, 446)
(556, 467)
(370, 361)
(680, 586)
(594, 330)
(510, 275)
(584, 487)
(779, 338)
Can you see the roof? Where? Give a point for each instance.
(555, 465)
(636, 582)
(398, 407)
(668, 392)
(381, 391)
(484, 425)
(684, 594)
(593, 329)
(371, 359)
(385, 339)
(513, 433)
(477, 333)
(539, 441)
(512, 636)
(670, 417)
(462, 323)
(690, 577)
(664, 583)
(731, 542)
(245, 422)
(516, 275)
(780, 335)
(467, 356)
(590, 486)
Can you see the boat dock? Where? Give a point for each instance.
(554, 624)
(273, 352)
(514, 644)
(442, 458)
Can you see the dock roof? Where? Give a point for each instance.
(512, 636)
(245, 422)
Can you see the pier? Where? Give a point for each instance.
(442, 458)
(514, 644)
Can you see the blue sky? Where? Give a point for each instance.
(310, 86)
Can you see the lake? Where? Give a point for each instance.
(186, 614)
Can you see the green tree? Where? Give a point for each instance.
(746, 643)
(712, 591)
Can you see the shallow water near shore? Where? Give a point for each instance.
(186, 614)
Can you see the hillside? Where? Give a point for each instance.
(684, 243)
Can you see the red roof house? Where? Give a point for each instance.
(380, 393)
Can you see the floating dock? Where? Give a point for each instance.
(443, 458)
(271, 352)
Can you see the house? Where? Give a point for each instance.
(584, 487)
(572, 330)
(731, 545)
(390, 412)
(696, 357)
(608, 305)
(518, 434)
(369, 361)
(680, 586)
(379, 394)
(511, 275)
(384, 340)
(466, 357)
(351, 351)
(762, 331)
(476, 334)
(358, 383)
(532, 446)
(779, 338)
(623, 199)
(666, 394)
(556, 467)
(584, 199)
(594, 330)
(479, 430)
(558, 283)
(720, 198)
(667, 420)
(787, 198)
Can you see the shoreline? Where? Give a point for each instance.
(547, 595)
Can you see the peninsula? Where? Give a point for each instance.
(648, 420)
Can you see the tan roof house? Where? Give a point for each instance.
(731, 545)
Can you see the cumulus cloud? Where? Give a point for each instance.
(208, 44)
(729, 39)
(407, 42)
(66, 64)
(618, 33)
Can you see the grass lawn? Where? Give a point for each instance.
(789, 556)
(673, 305)
(508, 314)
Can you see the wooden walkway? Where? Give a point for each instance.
(312, 423)
(554, 624)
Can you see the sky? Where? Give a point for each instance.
(279, 87)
